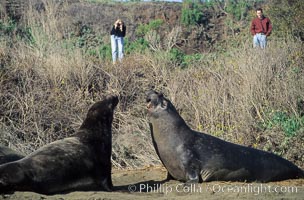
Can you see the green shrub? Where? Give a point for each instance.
(192, 58)
(290, 124)
(288, 18)
(179, 58)
(89, 42)
(7, 27)
(238, 9)
(138, 45)
(191, 13)
(10, 28)
(143, 29)
(104, 52)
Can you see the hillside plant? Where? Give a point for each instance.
(191, 13)
(247, 96)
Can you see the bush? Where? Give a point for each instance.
(191, 13)
(139, 45)
(290, 124)
(238, 9)
(7, 27)
(47, 88)
(143, 29)
(287, 17)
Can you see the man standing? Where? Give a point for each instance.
(260, 29)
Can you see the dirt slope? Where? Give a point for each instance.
(101, 16)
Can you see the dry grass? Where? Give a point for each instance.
(46, 90)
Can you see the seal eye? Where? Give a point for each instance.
(148, 100)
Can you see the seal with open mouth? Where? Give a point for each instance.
(191, 156)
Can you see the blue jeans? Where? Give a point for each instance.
(259, 40)
(117, 45)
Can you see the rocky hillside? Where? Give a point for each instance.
(100, 17)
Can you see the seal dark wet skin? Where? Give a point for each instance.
(191, 156)
(9, 155)
(78, 163)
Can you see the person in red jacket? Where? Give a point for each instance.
(260, 29)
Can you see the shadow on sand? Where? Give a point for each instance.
(144, 186)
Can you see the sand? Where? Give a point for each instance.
(148, 184)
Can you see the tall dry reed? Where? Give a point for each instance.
(47, 88)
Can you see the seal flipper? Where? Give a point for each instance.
(225, 175)
(241, 174)
(206, 175)
(106, 184)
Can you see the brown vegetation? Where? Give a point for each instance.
(46, 88)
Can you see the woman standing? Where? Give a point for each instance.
(118, 33)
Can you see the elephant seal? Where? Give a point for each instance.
(9, 155)
(192, 157)
(78, 163)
